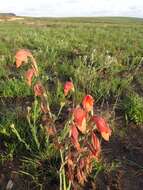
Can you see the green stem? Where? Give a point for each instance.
(32, 128)
(34, 116)
(60, 111)
(63, 171)
(69, 187)
(45, 96)
(61, 180)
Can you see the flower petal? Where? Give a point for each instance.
(102, 126)
(21, 56)
(87, 103)
(79, 116)
(68, 87)
(96, 144)
(74, 132)
(29, 75)
(38, 89)
(74, 137)
(105, 136)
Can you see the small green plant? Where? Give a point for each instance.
(133, 107)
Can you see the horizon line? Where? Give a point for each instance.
(82, 16)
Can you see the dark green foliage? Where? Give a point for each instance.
(133, 107)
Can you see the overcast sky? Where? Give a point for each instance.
(56, 8)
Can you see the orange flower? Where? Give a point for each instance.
(102, 126)
(29, 75)
(79, 116)
(21, 56)
(38, 89)
(87, 103)
(68, 87)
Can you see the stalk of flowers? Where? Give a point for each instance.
(22, 57)
(80, 146)
(85, 145)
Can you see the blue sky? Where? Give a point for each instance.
(62, 8)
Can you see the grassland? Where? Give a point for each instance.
(104, 57)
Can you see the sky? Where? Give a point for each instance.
(67, 8)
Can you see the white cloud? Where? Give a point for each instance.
(74, 7)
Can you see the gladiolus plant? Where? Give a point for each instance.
(78, 141)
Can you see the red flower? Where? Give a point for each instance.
(38, 89)
(79, 116)
(102, 126)
(29, 75)
(87, 103)
(21, 56)
(68, 87)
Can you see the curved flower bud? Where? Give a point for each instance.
(68, 87)
(79, 116)
(96, 145)
(74, 137)
(87, 103)
(21, 56)
(29, 75)
(38, 89)
(102, 126)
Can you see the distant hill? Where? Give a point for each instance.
(7, 14)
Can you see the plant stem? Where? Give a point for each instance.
(60, 179)
(63, 171)
(69, 187)
(60, 111)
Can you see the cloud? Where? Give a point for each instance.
(74, 7)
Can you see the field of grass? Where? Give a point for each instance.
(104, 58)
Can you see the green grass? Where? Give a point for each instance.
(101, 49)
(133, 107)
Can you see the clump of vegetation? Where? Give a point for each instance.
(133, 107)
(75, 138)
